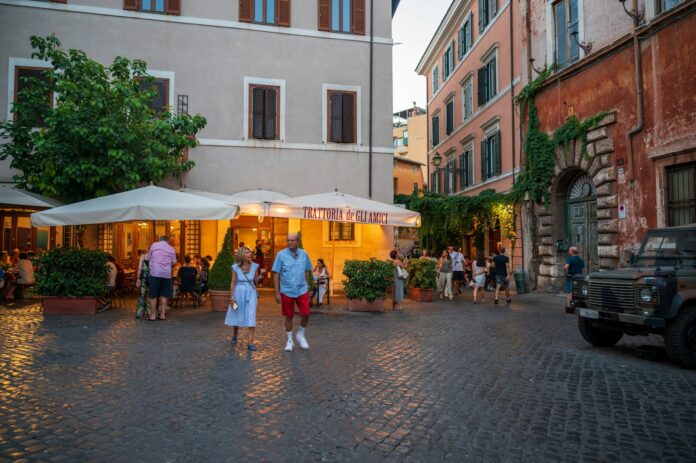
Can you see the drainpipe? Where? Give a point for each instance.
(639, 95)
(372, 45)
(512, 112)
(528, 32)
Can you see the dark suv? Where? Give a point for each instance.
(656, 294)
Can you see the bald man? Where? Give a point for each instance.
(572, 267)
(291, 270)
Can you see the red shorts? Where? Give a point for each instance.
(288, 304)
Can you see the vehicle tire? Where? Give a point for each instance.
(680, 338)
(598, 337)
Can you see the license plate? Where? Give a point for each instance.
(589, 313)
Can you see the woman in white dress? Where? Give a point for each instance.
(243, 294)
(321, 279)
(480, 270)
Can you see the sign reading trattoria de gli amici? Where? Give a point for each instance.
(336, 214)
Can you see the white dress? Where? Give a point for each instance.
(246, 297)
(321, 287)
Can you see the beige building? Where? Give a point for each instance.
(306, 67)
(410, 142)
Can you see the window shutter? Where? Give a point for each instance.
(257, 112)
(460, 41)
(324, 15)
(469, 29)
(492, 79)
(494, 8)
(359, 17)
(482, 91)
(283, 12)
(131, 4)
(270, 113)
(348, 123)
(484, 160)
(245, 10)
(436, 131)
(497, 161)
(482, 14)
(173, 7)
(336, 129)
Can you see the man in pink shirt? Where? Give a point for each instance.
(162, 257)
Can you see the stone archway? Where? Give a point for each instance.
(596, 208)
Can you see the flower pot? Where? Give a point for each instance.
(363, 305)
(220, 300)
(55, 305)
(420, 295)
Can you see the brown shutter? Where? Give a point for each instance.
(283, 9)
(270, 113)
(257, 112)
(173, 7)
(359, 17)
(131, 4)
(336, 118)
(324, 15)
(245, 11)
(348, 124)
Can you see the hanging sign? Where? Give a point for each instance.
(622, 211)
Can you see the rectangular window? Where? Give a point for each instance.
(265, 112)
(487, 9)
(436, 131)
(465, 37)
(405, 138)
(664, 5)
(265, 11)
(450, 117)
(566, 25)
(193, 237)
(468, 98)
(339, 231)
(160, 101)
(490, 156)
(105, 237)
(68, 236)
(435, 181)
(396, 186)
(681, 195)
(152, 6)
(466, 168)
(346, 16)
(342, 117)
(448, 62)
(488, 81)
(33, 79)
(436, 82)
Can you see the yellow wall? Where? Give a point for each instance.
(417, 149)
(406, 174)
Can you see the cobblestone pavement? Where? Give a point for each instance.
(442, 381)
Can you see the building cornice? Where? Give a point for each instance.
(455, 9)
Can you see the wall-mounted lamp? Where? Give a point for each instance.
(437, 159)
(586, 47)
(637, 16)
(531, 63)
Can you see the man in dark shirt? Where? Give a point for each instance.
(502, 275)
(572, 267)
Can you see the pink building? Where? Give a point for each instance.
(473, 73)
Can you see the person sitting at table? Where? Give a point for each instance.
(111, 275)
(14, 257)
(24, 270)
(187, 277)
(321, 278)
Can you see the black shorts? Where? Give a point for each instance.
(161, 287)
(458, 275)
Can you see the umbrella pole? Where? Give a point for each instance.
(154, 231)
(333, 260)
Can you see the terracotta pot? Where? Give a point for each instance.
(54, 305)
(420, 295)
(220, 300)
(363, 305)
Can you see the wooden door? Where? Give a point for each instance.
(582, 230)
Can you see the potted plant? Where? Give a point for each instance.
(422, 274)
(71, 281)
(367, 283)
(220, 276)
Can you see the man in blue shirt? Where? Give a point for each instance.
(573, 266)
(291, 270)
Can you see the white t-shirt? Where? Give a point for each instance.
(26, 272)
(113, 271)
(457, 261)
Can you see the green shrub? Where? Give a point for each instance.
(220, 276)
(422, 273)
(72, 272)
(368, 279)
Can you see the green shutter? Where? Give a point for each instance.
(484, 160)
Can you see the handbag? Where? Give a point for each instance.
(401, 272)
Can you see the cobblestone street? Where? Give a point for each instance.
(440, 381)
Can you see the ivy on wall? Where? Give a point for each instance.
(540, 149)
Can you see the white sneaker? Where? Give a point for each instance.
(289, 346)
(301, 339)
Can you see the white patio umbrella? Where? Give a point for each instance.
(147, 203)
(342, 207)
(14, 197)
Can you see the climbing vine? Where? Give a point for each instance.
(446, 219)
(540, 149)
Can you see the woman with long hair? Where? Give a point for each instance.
(243, 300)
(398, 294)
(321, 279)
(444, 275)
(480, 272)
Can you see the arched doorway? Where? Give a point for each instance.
(581, 220)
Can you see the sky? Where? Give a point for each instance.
(413, 26)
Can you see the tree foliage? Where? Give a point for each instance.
(72, 273)
(100, 136)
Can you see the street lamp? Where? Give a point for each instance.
(437, 159)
